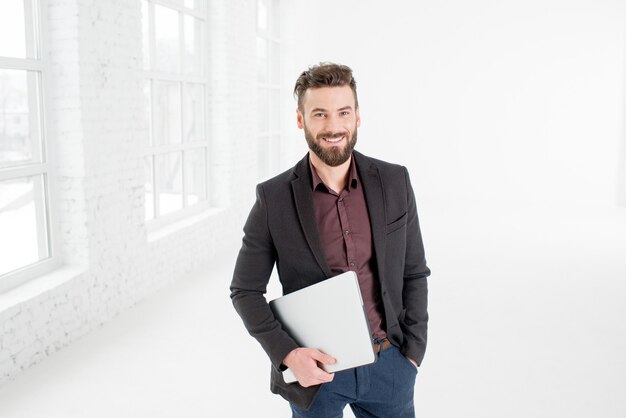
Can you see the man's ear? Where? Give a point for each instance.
(358, 118)
(300, 118)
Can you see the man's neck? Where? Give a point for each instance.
(333, 177)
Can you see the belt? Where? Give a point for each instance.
(382, 345)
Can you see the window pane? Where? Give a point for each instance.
(262, 111)
(149, 187)
(195, 176)
(194, 112)
(169, 176)
(261, 60)
(167, 52)
(24, 237)
(261, 15)
(167, 113)
(193, 51)
(12, 29)
(19, 117)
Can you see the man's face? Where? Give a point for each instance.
(330, 120)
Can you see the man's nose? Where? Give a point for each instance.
(333, 124)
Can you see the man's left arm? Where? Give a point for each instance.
(415, 290)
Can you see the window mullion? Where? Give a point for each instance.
(207, 188)
(181, 43)
(183, 87)
(40, 201)
(155, 187)
(34, 116)
(32, 51)
(184, 156)
(10, 173)
(9, 63)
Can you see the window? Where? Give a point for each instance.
(176, 161)
(268, 75)
(26, 245)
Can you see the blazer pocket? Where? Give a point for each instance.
(397, 224)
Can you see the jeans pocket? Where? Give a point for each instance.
(407, 362)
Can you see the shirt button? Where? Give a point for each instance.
(351, 264)
(347, 232)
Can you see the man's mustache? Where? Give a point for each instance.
(331, 135)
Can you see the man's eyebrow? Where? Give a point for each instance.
(319, 109)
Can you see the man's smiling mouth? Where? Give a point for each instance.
(333, 140)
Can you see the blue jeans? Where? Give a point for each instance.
(383, 389)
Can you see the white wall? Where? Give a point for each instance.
(97, 128)
(509, 115)
(514, 100)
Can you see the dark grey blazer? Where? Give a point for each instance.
(281, 229)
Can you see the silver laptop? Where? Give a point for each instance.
(329, 316)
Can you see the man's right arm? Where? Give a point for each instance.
(252, 272)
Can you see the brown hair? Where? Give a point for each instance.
(324, 74)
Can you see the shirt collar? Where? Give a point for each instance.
(353, 180)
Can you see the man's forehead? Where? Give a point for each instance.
(329, 97)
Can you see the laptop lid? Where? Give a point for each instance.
(330, 317)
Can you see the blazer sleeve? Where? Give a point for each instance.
(415, 290)
(253, 269)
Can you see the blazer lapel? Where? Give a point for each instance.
(303, 198)
(375, 199)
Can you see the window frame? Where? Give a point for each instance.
(152, 75)
(48, 236)
(268, 141)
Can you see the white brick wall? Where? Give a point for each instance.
(96, 128)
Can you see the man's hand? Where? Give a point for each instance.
(303, 364)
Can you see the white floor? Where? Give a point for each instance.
(527, 320)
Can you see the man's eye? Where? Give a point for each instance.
(345, 113)
(318, 115)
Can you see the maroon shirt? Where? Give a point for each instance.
(346, 235)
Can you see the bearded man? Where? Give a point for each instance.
(337, 210)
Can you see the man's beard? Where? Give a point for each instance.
(331, 156)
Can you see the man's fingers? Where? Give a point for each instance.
(322, 357)
(319, 376)
(305, 365)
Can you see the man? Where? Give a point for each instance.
(337, 210)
